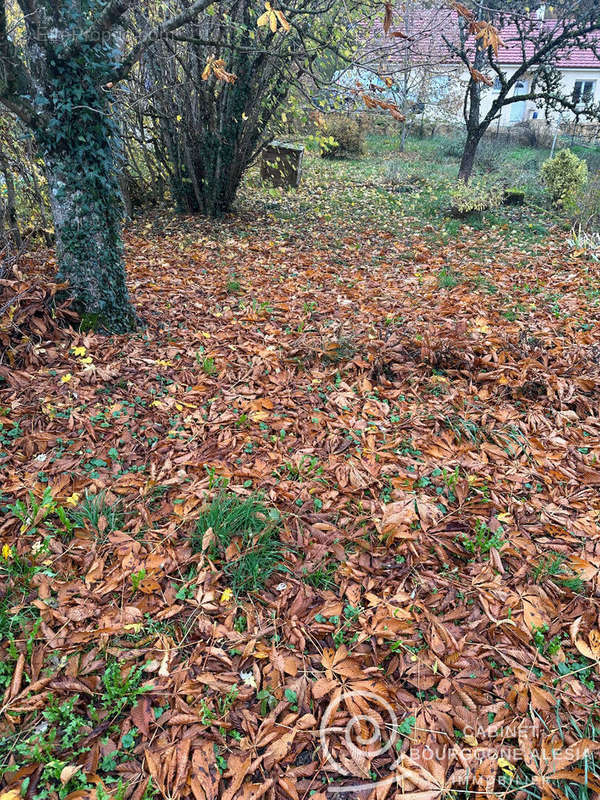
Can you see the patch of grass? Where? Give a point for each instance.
(463, 428)
(322, 577)
(448, 278)
(96, 513)
(585, 773)
(244, 541)
(553, 568)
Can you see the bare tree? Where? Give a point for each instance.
(213, 91)
(485, 28)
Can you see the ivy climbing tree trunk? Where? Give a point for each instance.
(88, 241)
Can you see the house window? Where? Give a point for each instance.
(439, 87)
(583, 91)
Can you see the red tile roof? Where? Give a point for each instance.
(427, 27)
(572, 58)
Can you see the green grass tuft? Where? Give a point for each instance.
(246, 544)
(97, 513)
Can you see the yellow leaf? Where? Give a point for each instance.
(73, 499)
(135, 627)
(66, 378)
(506, 767)
(12, 794)
(265, 18)
(481, 325)
(226, 596)
(79, 351)
(6, 553)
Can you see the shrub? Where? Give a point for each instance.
(474, 197)
(565, 175)
(492, 156)
(395, 172)
(587, 211)
(453, 148)
(341, 136)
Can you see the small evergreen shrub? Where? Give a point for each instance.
(474, 197)
(341, 136)
(565, 175)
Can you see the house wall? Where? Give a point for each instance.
(447, 105)
(521, 112)
(439, 91)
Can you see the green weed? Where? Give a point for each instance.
(208, 366)
(553, 568)
(323, 577)
(96, 513)
(448, 278)
(120, 691)
(481, 541)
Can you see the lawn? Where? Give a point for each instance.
(348, 469)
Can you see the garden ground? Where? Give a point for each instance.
(386, 415)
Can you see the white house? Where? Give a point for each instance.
(580, 80)
(438, 77)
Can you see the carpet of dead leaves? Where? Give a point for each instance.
(432, 421)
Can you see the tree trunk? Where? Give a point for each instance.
(11, 203)
(468, 156)
(86, 211)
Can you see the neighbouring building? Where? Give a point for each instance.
(429, 78)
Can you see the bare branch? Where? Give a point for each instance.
(160, 32)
